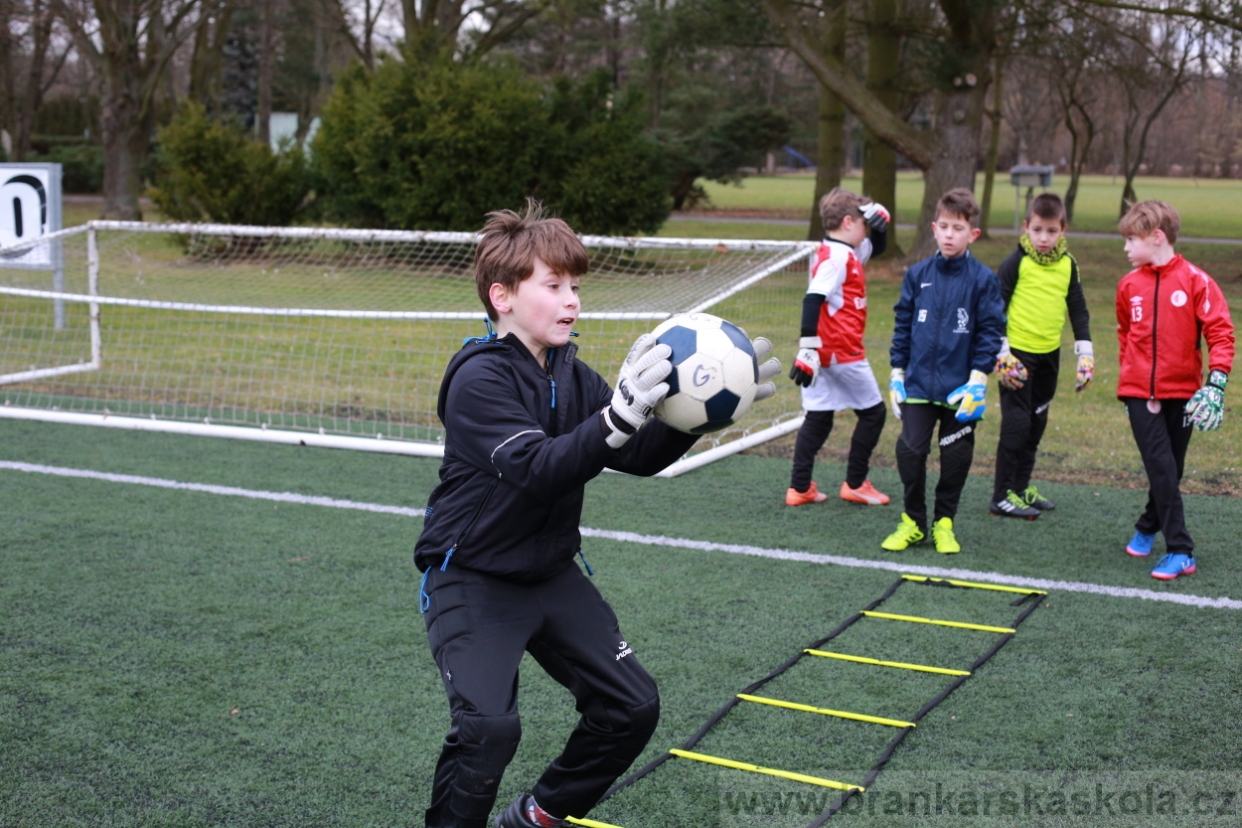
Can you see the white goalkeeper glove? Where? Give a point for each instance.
(876, 216)
(769, 367)
(1207, 407)
(806, 364)
(1010, 372)
(640, 388)
(970, 396)
(1086, 364)
(897, 390)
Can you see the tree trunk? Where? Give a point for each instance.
(958, 119)
(264, 115)
(830, 136)
(124, 131)
(883, 67)
(989, 168)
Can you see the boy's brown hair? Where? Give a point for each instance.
(1147, 217)
(959, 202)
(509, 244)
(1047, 206)
(837, 204)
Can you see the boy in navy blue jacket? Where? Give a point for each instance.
(527, 424)
(947, 329)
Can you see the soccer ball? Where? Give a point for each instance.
(715, 373)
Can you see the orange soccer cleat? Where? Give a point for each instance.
(866, 493)
(793, 497)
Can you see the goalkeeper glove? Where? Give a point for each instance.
(640, 387)
(1010, 372)
(806, 364)
(1086, 364)
(768, 367)
(1207, 407)
(897, 390)
(876, 216)
(971, 397)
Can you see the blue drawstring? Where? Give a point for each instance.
(491, 334)
(424, 600)
(590, 571)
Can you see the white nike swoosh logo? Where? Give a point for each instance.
(924, 284)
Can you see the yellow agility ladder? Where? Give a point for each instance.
(1028, 596)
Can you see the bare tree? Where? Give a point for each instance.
(128, 44)
(959, 71)
(830, 132)
(29, 65)
(879, 179)
(1149, 65)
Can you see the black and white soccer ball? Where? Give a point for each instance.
(715, 373)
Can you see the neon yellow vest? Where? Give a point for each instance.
(1037, 308)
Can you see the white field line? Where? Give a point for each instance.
(660, 540)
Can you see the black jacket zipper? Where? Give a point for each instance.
(1155, 318)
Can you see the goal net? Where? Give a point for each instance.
(336, 337)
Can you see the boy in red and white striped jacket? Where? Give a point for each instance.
(1164, 306)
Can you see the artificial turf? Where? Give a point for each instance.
(180, 658)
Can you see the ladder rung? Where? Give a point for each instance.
(840, 714)
(590, 823)
(923, 668)
(917, 620)
(746, 766)
(973, 585)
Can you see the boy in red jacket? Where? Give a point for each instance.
(1162, 307)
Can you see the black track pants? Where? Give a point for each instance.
(478, 627)
(957, 450)
(814, 433)
(1163, 436)
(1024, 417)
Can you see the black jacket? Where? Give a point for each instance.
(520, 445)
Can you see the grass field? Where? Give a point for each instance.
(180, 647)
(174, 657)
(1208, 206)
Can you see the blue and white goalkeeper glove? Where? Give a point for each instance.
(640, 388)
(806, 363)
(970, 396)
(1207, 407)
(897, 390)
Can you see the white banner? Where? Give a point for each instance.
(30, 207)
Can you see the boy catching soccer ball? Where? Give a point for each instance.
(831, 365)
(1039, 284)
(947, 330)
(1164, 305)
(527, 424)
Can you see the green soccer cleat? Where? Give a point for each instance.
(943, 537)
(1033, 499)
(908, 534)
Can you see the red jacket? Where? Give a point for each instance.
(1162, 313)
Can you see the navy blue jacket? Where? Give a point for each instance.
(520, 445)
(949, 321)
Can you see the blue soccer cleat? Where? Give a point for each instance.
(1174, 564)
(1140, 545)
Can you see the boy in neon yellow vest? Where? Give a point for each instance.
(1041, 286)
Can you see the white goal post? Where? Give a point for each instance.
(337, 338)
